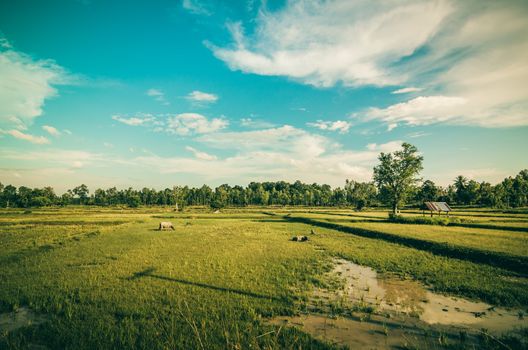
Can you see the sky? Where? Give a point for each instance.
(190, 92)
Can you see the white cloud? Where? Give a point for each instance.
(284, 152)
(421, 110)
(392, 126)
(385, 147)
(285, 139)
(66, 131)
(338, 125)
(51, 130)
(418, 134)
(25, 85)
(39, 140)
(142, 120)
(201, 97)
(158, 95)
(406, 90)
(255, 123)
(196, 7)
(54, 157)
(453, 50)
(200, 155)
(189, 123)
(326, 42)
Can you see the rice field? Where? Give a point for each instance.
(85, 278)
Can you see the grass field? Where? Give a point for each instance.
(106, 278)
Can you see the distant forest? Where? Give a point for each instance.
(511, 192)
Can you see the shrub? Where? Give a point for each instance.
(424, 220)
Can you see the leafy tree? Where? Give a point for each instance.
(460, 189)
(9, 196)
(428, 192)
(81, 192)
(40, 201)
(396, 174)
(360, 194)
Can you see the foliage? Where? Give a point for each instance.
(512, 192)
(424, 220)
(396, 174)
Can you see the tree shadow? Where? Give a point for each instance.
(149, 272)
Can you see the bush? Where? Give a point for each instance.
(424, 220)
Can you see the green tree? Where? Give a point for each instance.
(461, 189)
(360, 194)
(396, 174)
(81, 192)
(428, 192)
(9, 195)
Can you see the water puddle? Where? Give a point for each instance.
(362, 285)
(384, 312)
(22, 317)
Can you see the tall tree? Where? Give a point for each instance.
(428, 192)
(396, 175)
(82, 192)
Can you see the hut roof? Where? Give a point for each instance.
(438, 206)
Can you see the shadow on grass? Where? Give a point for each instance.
(150, 272)
(517, 264)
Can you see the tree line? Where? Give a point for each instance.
(395, 183)
(511, 192)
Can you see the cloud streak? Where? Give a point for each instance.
(39, 140)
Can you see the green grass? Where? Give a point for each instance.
(105, 278)
(493, 240)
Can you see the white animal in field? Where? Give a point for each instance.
(165, 225)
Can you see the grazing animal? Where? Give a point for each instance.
(299, 238)
(165, 225)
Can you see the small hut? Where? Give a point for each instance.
(439, 207)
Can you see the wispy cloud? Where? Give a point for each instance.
(39, 140)
(421, 110)
(406, 90)
(196, 7)
(142, 120)
(385, 147)
(326, 42)
(255, 123)
(199, 154)
(201, 97)
(455, 51)
(51, 130)
(338, 125)
(417, 134)
(158, 95)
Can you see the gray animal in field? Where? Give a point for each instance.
(299, 238)
(165, 225)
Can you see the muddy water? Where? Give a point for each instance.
(402, 313)
(410, 297)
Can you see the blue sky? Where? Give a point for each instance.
(134, 93)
